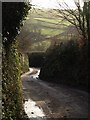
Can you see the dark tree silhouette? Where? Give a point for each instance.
(13, 15)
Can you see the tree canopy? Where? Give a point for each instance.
(13, 14)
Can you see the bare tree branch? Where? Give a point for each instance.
(77, 17)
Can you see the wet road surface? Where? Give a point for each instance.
(54, 101)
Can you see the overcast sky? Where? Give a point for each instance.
(52, 3)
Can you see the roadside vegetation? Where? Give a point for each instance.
(12, 100)
(65, 64)
(36, 59)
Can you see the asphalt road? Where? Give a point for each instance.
(56, 101)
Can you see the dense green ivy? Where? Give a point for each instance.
(12, 87)
(13, 15)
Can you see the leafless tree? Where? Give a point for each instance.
(79, 17)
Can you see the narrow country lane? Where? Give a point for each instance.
(54, 101)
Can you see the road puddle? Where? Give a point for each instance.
(32, 110)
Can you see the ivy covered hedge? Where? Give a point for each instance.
(13, 16)
(66, 63)
(12, 86)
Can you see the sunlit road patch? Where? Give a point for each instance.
(32, 110)
(35, 75)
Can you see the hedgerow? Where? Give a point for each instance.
(13, 16)
(66, 64)
(12, 86)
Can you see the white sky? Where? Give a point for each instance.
(52, 3)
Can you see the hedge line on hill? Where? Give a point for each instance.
(66, 63)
